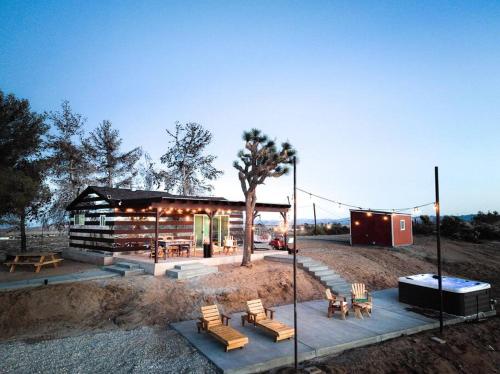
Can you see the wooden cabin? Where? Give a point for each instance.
(123, 220)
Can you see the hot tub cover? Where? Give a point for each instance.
(450, 284)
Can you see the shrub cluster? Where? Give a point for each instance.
(324, 229)
(483, 226)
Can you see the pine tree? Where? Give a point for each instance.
(69, 168)
(188, 168)
(259, 160)
(23, 193)
(111, 167)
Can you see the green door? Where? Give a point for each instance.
(221, 229)
(201, 229)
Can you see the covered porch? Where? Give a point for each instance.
(210, 228)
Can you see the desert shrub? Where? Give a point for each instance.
(488, 218)
(488, 231)
(455, 228)
(423, 226)
(324, 229)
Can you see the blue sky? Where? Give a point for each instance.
(372, 94)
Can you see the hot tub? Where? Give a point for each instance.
(461, 297)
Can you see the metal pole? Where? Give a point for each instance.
(438, 244)
(314, 211)
(295, 262)
(156, 235)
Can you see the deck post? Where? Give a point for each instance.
(156, 233)
(210, 232)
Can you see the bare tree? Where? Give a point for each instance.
(258, 161)
(112, 167)
(188, 168)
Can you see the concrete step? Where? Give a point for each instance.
(127, 265)
(325, 278)
(190, 266)
(316, 268)
(123, 271)
(336, 284)
(322, 273)
(191, 273)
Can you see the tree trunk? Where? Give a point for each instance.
(250, 200)
(22, 226)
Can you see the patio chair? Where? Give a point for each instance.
(230, 245)
(161, 250)
(336, 303)
(217, 325)
(257, 314)
(361, 300)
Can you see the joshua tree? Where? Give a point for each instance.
(259, 160)
(113, 168)
(188, 168)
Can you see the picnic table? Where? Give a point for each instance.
(176, 245)
(36, 259)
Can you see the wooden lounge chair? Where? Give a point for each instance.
(258, 316)
(216, 324)
(336, 303)
(361, 300)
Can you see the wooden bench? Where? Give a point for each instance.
(36, 259)
(257, 314)
(217, 325)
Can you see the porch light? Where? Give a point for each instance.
(369, 214)
(356, 223)
(385, 218)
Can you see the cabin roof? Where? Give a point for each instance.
(123, 197)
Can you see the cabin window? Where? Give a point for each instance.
(80, 219)
(102, 220)
(402, 225)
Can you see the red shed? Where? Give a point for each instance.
(388, 229)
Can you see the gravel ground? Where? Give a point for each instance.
(143, 350)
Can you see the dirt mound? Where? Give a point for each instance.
(61, 310)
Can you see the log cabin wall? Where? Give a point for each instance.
(95, 225)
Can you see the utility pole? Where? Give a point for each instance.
(314, 211)
(295, 347)
(438, 244)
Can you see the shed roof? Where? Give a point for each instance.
(379, 212)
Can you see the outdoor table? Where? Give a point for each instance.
(37, 259)
(178, 243)
(360, 308)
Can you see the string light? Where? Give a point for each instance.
(341, 204)
(369, 214)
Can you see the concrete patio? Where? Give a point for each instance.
(317, 335)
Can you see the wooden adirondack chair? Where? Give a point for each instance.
(217, 325)
(336, 303)
(257, 314)
(361, 300)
